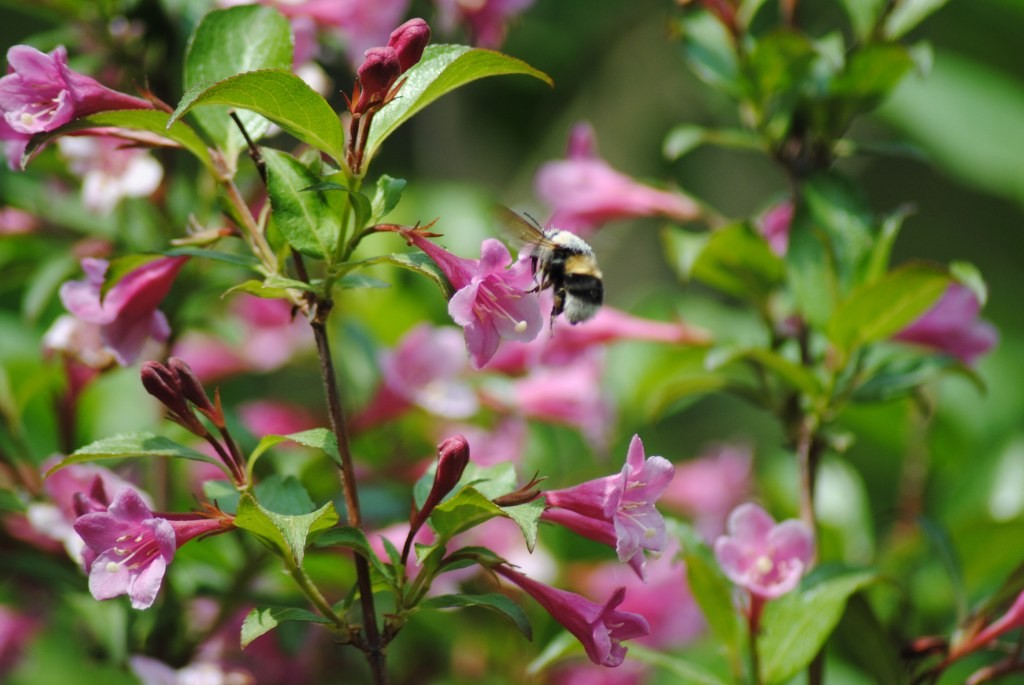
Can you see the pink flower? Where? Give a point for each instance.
(952, 326)
(151, 671)
(491, 301)
(127, 315)
(569, 395)
(600, 628)
(774, 226)
(16, 631)
(361, 25)
(110, 170)
(763, 557)
(271, 417)
(502, 442)
(129, 547)
(14, 221)
(427, 369)
(618, 509)
(268, 337)
(568, 343)
(452, 459)
(664, 599)
(709, 487)
(585, 192)
(40, 93)
(486, 19)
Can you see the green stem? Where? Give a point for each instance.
(311, 591)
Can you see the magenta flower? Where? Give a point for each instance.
(764, 558)
(584, 192)
(127, 315)
(128, 547)
(491, 301)
(485, 19)
(40, 93)
(952, 326)
(618, 508)
(600, 628)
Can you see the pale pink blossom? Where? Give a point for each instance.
(110, 169)
(128, 547)
(600, 628)
(273, 417)
(618, 510)
(707, 488)
(774, 225)
(152, 671)
(491, 301)
(40, 93)
(585, 192)
(14, 221)
(486, 20)
(952, 326)
(127, 314)
(428, 368)
(764, 558)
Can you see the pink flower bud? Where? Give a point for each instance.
(378, 72)
(409, 41)
(452, 458)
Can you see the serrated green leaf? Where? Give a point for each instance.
(442, 68)
(494, 601)
(280, 96)
(130, 445)
(228, 42)
(794, 627)
(464, 510)
(148, 120)
(388, 193)
(881, 309)
(317, 438)
(413, 261)
(738, 261)
(262, 620)
(305, 217)
(527, 517)
(283, 495)
(286, 535)
(360, 203)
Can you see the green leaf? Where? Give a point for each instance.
(870, 75)
(284, 534)
(907, 14)
(229, 42)
(442, 68)
(793, 374)
(280, 96)
(262, 620)
(305, 218)
(903, 376)
(387, 196)
(464, 510)
(527, 517)
(413, 261)
(878, 310)
(317, 438)
(355, 539)
(867, 643)
(881, 251)
(495, 602)
(968, 274)
(246, 260)
(810, 269)
(360, 203)
(148, 120)
(709, 49)
(864, 14)
(686, 671)
(837, 209)
(681, 140)
(133, 445)
(777, 71)
(795, 626)
(354, 281)
(283, 495)
(223, 493)
(712, 591)
(738, 261)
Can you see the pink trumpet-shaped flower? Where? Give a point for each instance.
(775, 224)
(618, 508)
(952, 326)
(40, 93)
(763, 557)
(129, 547)
(584, 191)
(127, 315)
(486, 19)
(491, 301)
(600, 628)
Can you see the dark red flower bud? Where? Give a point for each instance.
(191, 388)
(452, 459)
(378, 72)
(409, 41)
(162, 383)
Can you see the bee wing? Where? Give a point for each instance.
(519, 229)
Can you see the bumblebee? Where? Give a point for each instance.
(563, 262)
